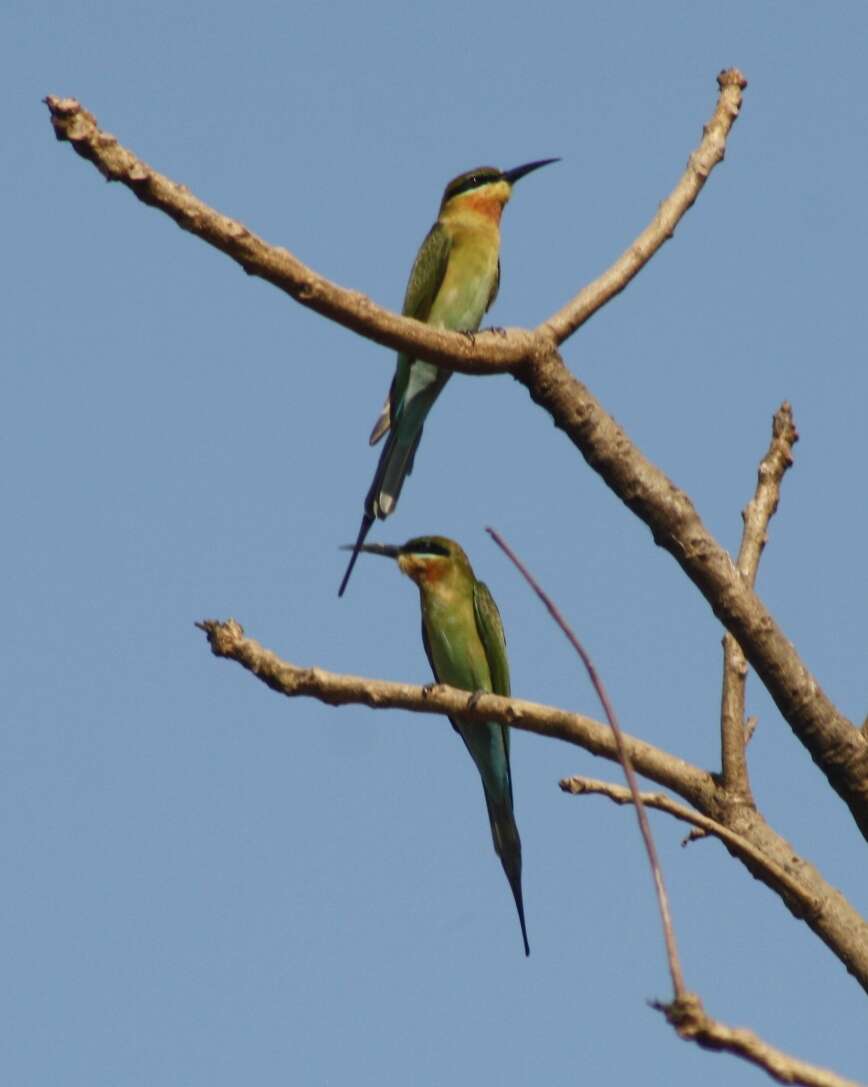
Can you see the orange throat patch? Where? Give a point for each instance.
(424, 571)
(488, 207)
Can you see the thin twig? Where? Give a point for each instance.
(838, 748)
(661, 228)
(685, 1012)
(675, 970)
(481, 354)
(693, 1024)
(736, 843)
(837, 924)
(491, 354)
(756, 517)
(228, 640)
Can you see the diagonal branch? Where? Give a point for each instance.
(227, 639)
(693, 1024)
(483, 354)
(756, 516)
(835, 744)
(738, 845)
(685, 1011)
(661, 228)
(354, 310)
(835, 921)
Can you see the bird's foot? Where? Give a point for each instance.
(498, 330)
(474, 699)
(427, 689)
(471, 336)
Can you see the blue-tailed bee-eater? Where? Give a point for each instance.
(453, 283)
(466, 648)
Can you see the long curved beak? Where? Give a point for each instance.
(389, 551)
(519, 171)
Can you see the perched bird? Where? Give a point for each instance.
(464, 641)
(453, 283)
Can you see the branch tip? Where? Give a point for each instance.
(700, 163)
(692, 1023)
(275, 264)
(731, 77)
(223, 636)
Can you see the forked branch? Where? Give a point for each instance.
(661, 228)
(821, 906)
(275, 264)
(685, 1011)
(756, 516)
(693, 1024)
(834, 743)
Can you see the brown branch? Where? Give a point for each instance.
(661, 228)
(686, 1013)
(777, 876)
(673, 959)
(227, 639)
(667, 511)
(756, 516)
(836, 923)
(762, 507)
(485, 353)
(694, 1024)
(835, 744)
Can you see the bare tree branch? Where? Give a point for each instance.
(838, 748)
(685, 1012)
(739, 846)
(835, 921)
(756, 516)
(485, 353)
(227, 639)
(354, 310)
(693, 1024)
(703, 160)
(724, 809)
(835, 744)
(762, 507)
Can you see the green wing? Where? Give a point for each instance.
(495, 287)
(490, 628)
(427, 273)
(426, 277)
(430, 657)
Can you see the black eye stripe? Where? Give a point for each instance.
(471, 181)
(428, 547)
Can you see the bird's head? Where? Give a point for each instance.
(485, 189)
(424, 559)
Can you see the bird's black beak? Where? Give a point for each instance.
(388, 550)
(519, 171)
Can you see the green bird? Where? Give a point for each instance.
(452, 285)
(466, 648)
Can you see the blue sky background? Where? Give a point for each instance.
(207, 884)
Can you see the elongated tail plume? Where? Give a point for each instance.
(367, 521)
(463, 637)
(396, 463)
(507, 845)
(453, 283)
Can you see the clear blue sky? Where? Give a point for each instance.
(206, 884)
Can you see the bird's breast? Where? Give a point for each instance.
(469, 281)
(457, 653)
